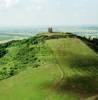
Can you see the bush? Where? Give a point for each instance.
(11, 72)
(3, 51)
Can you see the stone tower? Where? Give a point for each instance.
(50, 30)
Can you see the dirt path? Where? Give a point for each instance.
(62, 74)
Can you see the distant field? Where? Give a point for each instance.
(13, 36)
(23, 32)
(68, 70)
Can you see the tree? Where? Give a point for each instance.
(2, 52)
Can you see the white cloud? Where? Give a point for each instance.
(8, 3)
(36, 5)
(27, 4)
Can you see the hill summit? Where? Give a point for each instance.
(48, 66)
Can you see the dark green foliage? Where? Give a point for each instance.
(56, 36)
(24, 56)
(5, 45)
(12, 71)
(3, 51)
(38, 39)
(24, 53)
(3, 73)
(92, 43)
(70, 35)
(6, 73)
(36, 65)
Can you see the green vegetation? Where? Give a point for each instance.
(2, 52)
(17, 55)
(48, 66)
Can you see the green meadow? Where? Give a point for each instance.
(48, 66)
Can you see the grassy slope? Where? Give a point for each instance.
(78, 62)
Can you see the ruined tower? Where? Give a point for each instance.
(50, 30)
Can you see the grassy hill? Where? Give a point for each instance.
(48, 66)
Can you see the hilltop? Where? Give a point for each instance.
(48, 66)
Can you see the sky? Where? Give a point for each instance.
(48, 12)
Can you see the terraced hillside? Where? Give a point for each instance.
(48, 66)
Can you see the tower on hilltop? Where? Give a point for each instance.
(50, 30)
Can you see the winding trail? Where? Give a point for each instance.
(59, 65)
(62, 73)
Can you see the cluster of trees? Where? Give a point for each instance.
(3, 51)
(92, 43)
(25, 56)
(7, 72)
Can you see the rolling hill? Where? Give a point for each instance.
(48, 66)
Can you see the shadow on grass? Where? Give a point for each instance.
(81, 86)
(83, 61)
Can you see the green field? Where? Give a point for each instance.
(13, 36)
(38, 68)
